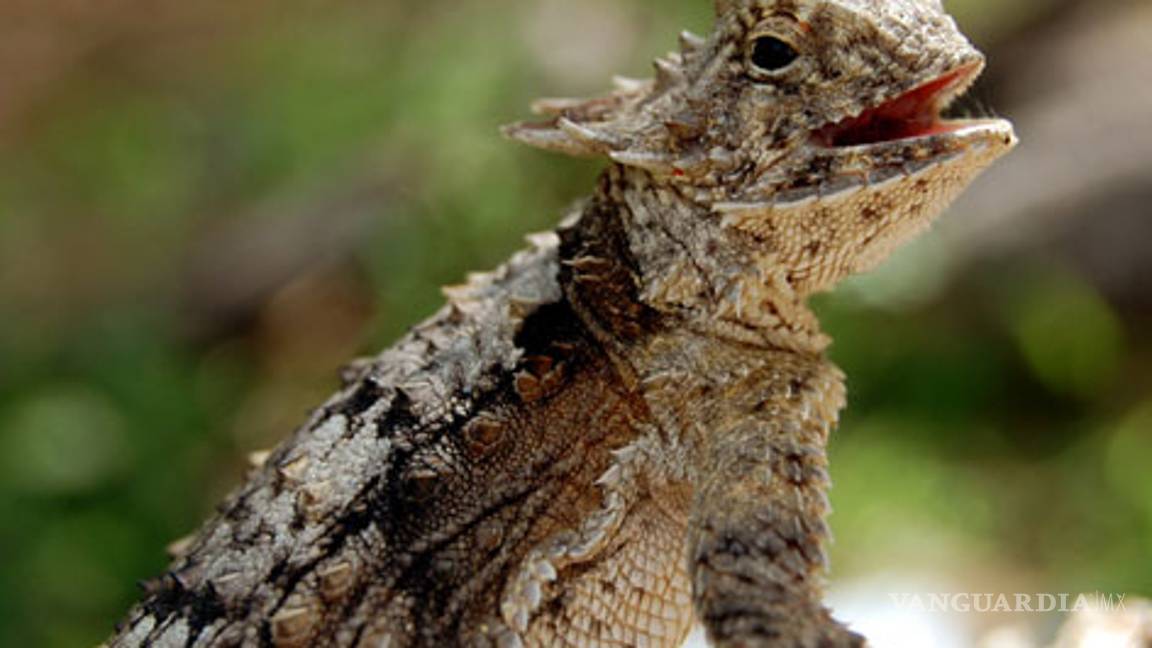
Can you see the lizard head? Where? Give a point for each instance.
(809, 131)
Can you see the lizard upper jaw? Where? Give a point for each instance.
(915, 113)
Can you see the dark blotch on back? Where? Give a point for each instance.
(365, 396)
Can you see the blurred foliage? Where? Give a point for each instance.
(999, 422)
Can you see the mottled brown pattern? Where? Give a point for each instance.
(622, 430)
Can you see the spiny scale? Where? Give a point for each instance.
(622, 430)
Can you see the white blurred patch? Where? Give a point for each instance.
(869, 609)
(1129, 627)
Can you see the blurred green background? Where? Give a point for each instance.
(207, 207)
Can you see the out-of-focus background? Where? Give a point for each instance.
(207, 207)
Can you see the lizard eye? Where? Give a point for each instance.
(770, 54)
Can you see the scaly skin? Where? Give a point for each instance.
(624, 427)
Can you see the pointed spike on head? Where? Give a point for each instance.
(599, 140)
(690, 42)
(552, 106)
(659, 163)
(668, 73)
(550, 137)
(628, 84)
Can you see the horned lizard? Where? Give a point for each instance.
(621, 430)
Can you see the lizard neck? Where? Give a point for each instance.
(643, 257)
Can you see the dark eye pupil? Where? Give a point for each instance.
(769, 53)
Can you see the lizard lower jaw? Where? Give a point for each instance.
(911, 115)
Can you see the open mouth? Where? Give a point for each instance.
(915, 113)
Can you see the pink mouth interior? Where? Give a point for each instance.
(915, 113)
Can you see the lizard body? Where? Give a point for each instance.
(623, 428)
